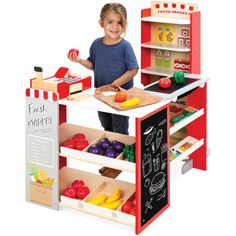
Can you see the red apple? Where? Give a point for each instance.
(82, 192)
(78, 183)
(128, 206)
(132, 211)
(73, 51)
(70, 192)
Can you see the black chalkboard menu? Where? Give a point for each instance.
(154, 165)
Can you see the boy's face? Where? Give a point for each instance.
(112, 26)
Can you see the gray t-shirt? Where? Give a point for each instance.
(111, 61)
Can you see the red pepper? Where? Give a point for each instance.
(164, 83)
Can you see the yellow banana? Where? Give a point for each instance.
(113, 205)
(131, 102)
(99, 200)
(115, 196)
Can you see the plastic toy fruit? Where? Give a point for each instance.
(81, 144)
(115, 196)
(70, 192)
(69, 143)
(165, 83)
(120, 97)
(179, 77)
(132, 211)
(78, 183)
(73, 51)
(130, 103)
(128, 206)
(101, 199)
(82, 192)
(112, 205)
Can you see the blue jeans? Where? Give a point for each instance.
(114, 123)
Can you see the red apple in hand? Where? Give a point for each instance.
(73, 52)
(78, 183)
(70, 192)
(82, 192)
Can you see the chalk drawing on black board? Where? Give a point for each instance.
(159, 137)
(162, 122)
(153, 147)
(148, 205)
(156, 163)
(164, 148)
(146, 165)
(163, 165)
(157, 183)
(149, 138)
(161, 195)
(148, 130)
(147, 182)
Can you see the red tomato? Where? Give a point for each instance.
(73, 51)
(78, 183)
(164, 83)
(82, 192)
(120, 97)
(81, 144)
(78, 136)
(70, 192)
(128, 206)
(69, 143)
(132, 211)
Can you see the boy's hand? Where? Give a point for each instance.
(73, 57)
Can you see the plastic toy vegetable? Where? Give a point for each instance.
(82, 192)
(69, 143)
(165, 83)
(95, 149)
(105, 143)
(129, 152)
(130, 103)
(179, 77)
(120, 97)
(110, 153)
(81, 144)
(118, 146)
(78, 136)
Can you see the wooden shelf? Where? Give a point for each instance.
(167, 20)
(176, 48)
(186, 121)
(94, 136)
(100, 185)
(153, 70)
(176, 165)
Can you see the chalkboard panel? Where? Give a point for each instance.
(154, 166)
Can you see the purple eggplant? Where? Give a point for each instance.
(105, 143)
(95, 149)
(118, 146)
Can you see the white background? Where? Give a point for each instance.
(40, 33)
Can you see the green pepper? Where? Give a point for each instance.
(129, 152)
(179, 77)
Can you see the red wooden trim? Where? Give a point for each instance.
(45, 95)
(54, 97)
(138, 227)
(195, 43)
(198, 128)
(146, 12)
(36, 93)
(27, 92)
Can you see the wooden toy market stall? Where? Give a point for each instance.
(170, 132)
